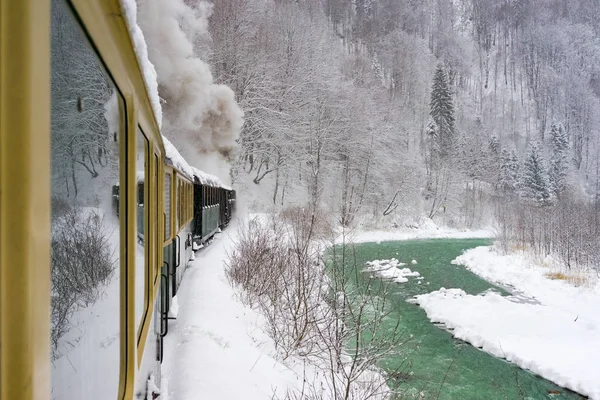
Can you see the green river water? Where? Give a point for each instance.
(432, 355)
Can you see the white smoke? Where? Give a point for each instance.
(202, 118)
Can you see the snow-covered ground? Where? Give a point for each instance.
(216, 348)
(549, 327)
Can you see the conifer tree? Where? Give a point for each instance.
(509, 171)
(559, 161)
(533, 182)
(442, 110)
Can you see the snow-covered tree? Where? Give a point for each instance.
(559, 160)
(442, 110)
(533, 182)
(509, 171)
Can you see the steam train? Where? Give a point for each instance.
(99, 213)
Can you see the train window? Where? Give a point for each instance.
(141, 284)
(157, 213)
(87, 130)
(187, 201)
(167, 206)
(178, 210)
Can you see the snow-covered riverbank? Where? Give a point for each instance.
(556, 334)
(427, 229)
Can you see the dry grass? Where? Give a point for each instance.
(557, 276)
(572, 278)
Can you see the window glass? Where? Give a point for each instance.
(177, 211)
(86, 121)
(141, 286)
(167, 206)
(158, 242)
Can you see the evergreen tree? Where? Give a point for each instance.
(492, 162)
(509, 171)
(442, 110)
(533, 182)
(559, 161)
(433, 150)
(494, 145)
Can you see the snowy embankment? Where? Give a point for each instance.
(425, 230)
(549, 326)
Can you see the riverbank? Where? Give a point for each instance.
(426, 229)
(555, 334)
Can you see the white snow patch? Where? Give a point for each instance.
(174, 309)
(152, 389)
(388, 269)
(414, 262)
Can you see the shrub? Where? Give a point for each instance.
(82, 263)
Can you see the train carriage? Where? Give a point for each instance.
(178, 216)
(98, 210)
(206, 206)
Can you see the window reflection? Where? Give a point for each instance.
(87, 116)
(140, 253)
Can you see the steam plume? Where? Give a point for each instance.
(202, 118)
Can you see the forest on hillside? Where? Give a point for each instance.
(388, 112)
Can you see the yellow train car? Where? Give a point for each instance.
(89, 211)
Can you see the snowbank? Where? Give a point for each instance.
(388, 269)
(426, 230)
(549, 327)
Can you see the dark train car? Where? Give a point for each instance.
(212, 209)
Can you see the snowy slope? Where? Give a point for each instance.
(551, 327)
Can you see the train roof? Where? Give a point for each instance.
(208, 179)
(173, 157)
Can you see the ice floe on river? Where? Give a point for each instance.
(389, 270)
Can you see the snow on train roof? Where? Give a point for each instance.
(177, 159)
(208, 179)
(129, 8)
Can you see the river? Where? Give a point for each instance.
(431, 364)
